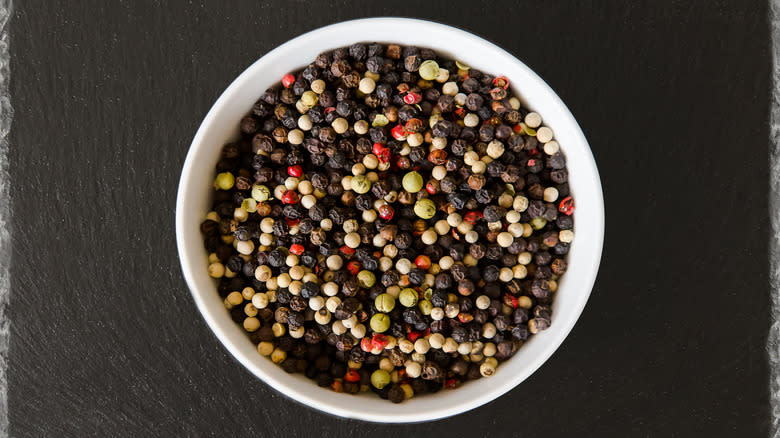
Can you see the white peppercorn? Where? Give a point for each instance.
(533, 120)
(544, 134)
(449, 346)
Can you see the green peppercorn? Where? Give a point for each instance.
(309, 98)
(412, 182)
(249, 205)
(380, 323)
(260, 193)
(366, 279)
(380, 120)
(538, 223)
(408, 297)
(360, 184)
(429, 70)
(384, 303)
(425, 307)
(225, 181)
(425, 208)
(380, 378)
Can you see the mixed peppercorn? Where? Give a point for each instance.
(390, 220)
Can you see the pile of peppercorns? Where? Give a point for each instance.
(390, 220)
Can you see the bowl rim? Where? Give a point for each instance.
(301, 395)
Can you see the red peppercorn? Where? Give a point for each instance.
(386, 212)
(465, 318)
(346, 250)
(432, 187)
(296, 249)
(290, 197)
(365, 345)
(460, 111)
(501, 82)
(413, 98)
(353, 267)
(412, 336)
(531, 163)
(329, 109)
(566, 206)
(352, 376)
(413, 125)
(472, 217)
(438, 156)
(288, 80)
(427, 332)
(379, 341)
(295, 171)
(423, 262)
(382, 152)
(517, 128)
(533, 152)
(337, 386)
(291, 222)
(398, 132)
(450, 383)
(511, 301)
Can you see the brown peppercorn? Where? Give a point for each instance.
(280, 134)
(298, 304)
(318, 237)
(514, 286)
(262, 143)
(550, 238)
(327, 134)
(505, 349)
(558, 266)
(351, 79)
(536, 325)
(393, 51)
(406, 198)
(397, 357)
(396, 394)
(498, 93)
(391, 113)
(477, 250)
(243, 183)
(281, 315)
(278, 156)
(348, 198)
(388, 232)
(476, 182)
(431, 371)
(339, 67)
(540, 288)
(465, 287)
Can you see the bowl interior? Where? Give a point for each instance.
(220, 126)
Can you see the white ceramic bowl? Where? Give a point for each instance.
(220, 126)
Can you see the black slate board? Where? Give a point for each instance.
(673, 97)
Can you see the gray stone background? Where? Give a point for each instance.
(106, 341)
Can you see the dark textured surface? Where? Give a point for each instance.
(673, 98)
